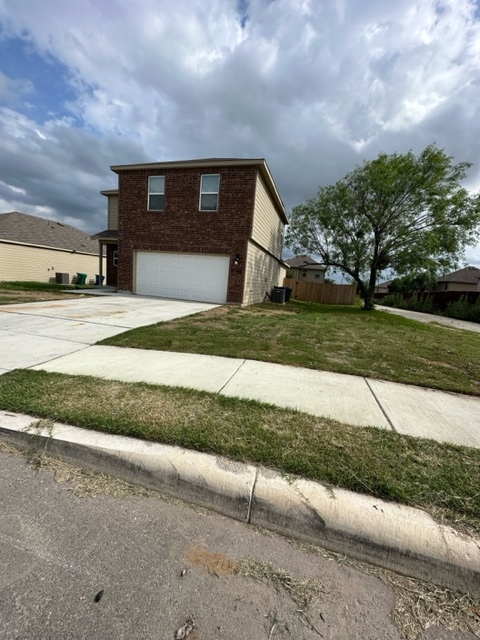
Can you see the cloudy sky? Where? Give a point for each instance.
(313, 86)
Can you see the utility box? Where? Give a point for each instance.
(62, 278)
(278, 295)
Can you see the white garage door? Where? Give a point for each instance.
(184, 276)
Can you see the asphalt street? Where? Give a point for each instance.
(139, 567)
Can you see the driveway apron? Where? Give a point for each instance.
(39, 332)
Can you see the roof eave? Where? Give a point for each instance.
(184, 164)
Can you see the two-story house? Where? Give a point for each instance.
(306, 268)
(208, 230)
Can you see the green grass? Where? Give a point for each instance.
(333, 338)
(31, 285)
(18, 292)
(27, 285)
(441, 478)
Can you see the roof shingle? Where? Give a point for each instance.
(20, 227)
(301, 261)
(468, 275)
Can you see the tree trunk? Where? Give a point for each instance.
(370, 291)
(368, 302)
(367, 295)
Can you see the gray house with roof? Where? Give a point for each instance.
(466, 279)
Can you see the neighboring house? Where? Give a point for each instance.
(467, 279)
(208, 230)
(382, 287)
(33, 248)
(306, 268)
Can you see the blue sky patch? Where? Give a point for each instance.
(47, 76)
(242, 9)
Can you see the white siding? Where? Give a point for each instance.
(267, 226)
(22, 262)
(113, 212)
(263, 272)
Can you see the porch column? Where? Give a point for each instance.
(100, 270)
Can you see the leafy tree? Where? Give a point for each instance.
(416, 282)
(400, 211)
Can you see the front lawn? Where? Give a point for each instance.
(441, 478)
(17, 292)
(334, 338)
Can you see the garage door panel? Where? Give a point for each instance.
(183, 276)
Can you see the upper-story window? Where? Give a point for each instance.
(156, 193)
(209, 189)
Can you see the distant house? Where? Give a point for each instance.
(382, 287)
(209, 230)
(467, 279)
(306, 268)
(33, 248)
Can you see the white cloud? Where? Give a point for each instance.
(313, 86)
(13, 90)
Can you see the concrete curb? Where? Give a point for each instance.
(403, 539)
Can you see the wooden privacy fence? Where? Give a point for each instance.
(323, 293)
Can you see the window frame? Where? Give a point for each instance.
(115, 257)
(155, 193)
(209, 193)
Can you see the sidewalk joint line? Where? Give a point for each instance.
(233, 374)
(39, 364)
(64, 319)
(250, 502)
(380, 406)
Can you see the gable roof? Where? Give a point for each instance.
(301, 262)
(468, 275)
(210, 163)
(25, 229)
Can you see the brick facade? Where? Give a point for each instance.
(181, 227)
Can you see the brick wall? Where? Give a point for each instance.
(181, 226)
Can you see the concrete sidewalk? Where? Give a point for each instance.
(429, 318)
(409, 410)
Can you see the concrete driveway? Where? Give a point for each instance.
(35, 333)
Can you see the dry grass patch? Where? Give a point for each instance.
(85, 482)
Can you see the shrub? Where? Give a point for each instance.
(421, 303)
(463, 310)
(395, 300)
